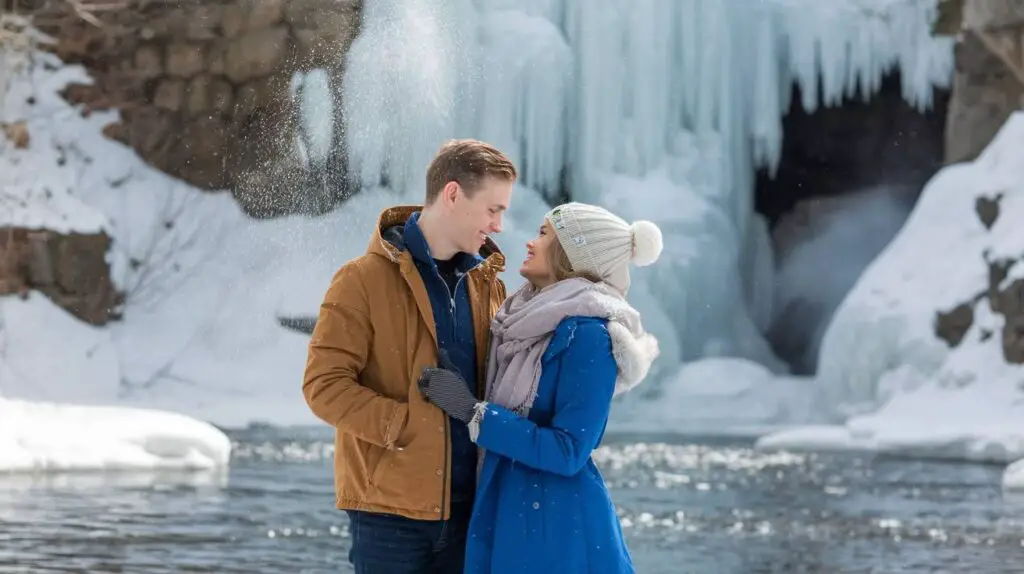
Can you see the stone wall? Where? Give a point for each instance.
(71, 270)
(203, 86)
(989, 81)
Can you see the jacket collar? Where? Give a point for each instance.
(418, 247)
(493, 258)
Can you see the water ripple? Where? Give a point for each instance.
(722, 508)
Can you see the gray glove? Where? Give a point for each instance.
(446, 389)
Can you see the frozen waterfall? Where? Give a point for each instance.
(660, 109)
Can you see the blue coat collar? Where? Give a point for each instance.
(417, 245)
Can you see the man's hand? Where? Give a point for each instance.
(446, 389)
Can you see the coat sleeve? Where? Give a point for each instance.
(338, 352)
(586, 383)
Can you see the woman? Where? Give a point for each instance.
(561, 347)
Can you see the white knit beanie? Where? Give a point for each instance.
(601, 243)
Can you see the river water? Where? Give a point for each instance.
(687, 506)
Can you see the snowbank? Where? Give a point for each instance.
(52, 437)
(1013, 477)
(898, 387)
(718, 396)
(32, 194)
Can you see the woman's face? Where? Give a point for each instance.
(537, 269)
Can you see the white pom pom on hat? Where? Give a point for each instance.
(647, 242)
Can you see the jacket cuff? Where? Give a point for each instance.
(479, 410)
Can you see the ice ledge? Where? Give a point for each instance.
(49, 437)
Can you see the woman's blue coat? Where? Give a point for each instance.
(541, 504)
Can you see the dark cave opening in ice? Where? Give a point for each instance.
(847, 180)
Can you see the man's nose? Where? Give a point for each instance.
(496, 225)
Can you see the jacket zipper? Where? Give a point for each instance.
(447, 423)
(451, 299)
(455, 316)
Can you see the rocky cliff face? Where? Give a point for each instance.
(203, 89)
(70, 269)
(203, 86)
(987, 88)
(989, 81)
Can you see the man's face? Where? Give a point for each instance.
(476, 215)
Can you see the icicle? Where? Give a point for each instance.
(316, 117)
(803, 56)
(833, 60)
(649, 71)
(526, 80)
(403, 91)
(757, 271)
(595, 29)
(688, 57)
(550, 10)
(766, 110)
(729, 124)
(713, 37)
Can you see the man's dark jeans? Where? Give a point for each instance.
(386, 544)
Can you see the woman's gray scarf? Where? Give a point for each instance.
(526, 321)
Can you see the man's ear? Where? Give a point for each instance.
(449, 193)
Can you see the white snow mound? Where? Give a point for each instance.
(56, 437)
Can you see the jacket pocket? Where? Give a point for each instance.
(379, 459)
(374, 457)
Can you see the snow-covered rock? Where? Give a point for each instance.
(895, 368)
(719, 396)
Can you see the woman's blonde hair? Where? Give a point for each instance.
(561, 267)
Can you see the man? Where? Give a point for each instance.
(423, 295)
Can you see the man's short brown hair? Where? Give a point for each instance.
(468, 163)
